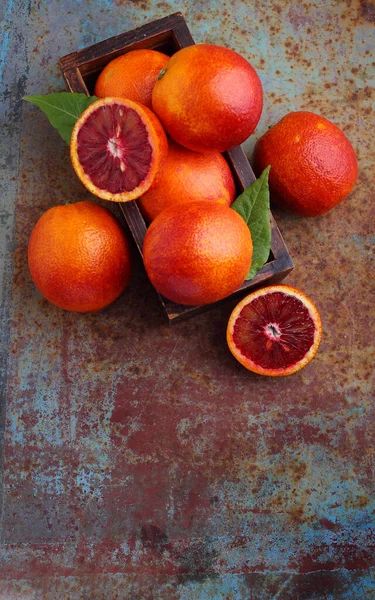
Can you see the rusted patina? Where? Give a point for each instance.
(141, 461)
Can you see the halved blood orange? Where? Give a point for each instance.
(117, 149)
(274, 331)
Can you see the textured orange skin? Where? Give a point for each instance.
(313, 164)
(197, 255)
(210, 98)
(131, 76)
(157, 139)
(252, 366)
(79, 257)
(189, 176)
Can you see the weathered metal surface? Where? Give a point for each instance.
(144, 462)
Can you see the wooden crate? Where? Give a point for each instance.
(169, 34)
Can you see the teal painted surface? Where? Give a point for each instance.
(143, 462)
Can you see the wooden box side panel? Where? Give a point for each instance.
(146, 36)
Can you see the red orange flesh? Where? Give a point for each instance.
(274, 331)
(118, 148)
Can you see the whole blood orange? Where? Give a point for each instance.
(313, 164)
(274, 331)
(198, 252)
(209, 98)
(118, 148)
(79, 257)
(189, 176)
(131, 76)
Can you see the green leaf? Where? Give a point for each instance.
(253, 205)
(62, 109)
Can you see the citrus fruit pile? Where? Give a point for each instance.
(207, 99)
(204, 100)
(156, 133)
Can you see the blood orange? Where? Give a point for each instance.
(131, 75)
(79, 257)
(118, 148)
(274, 331)
(189, 176)
(199, 254)
(209, 98)
(313, 164)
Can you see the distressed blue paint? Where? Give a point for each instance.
(16, 429)
(13, 74)
(52, 482)
(6, 28)
(230, 587)
(365, 245)
(234, 587)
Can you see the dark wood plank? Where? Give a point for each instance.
(75, 82)
(181, 34)
(240, 166)
(158, 30)
(136, 222)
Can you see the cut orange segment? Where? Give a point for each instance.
(117, 149)
(274, 331)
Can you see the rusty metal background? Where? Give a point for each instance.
(142, 462)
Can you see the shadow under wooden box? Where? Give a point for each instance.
(168, 35)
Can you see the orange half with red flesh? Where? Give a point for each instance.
(274, 331)
(118, 148)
